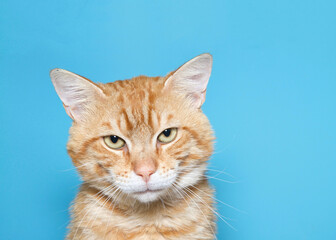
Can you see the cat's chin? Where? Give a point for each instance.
(147, 196)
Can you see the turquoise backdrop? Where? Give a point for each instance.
(271, 100)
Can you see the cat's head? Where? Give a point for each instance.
(144, 137)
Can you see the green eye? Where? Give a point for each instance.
(114, 142)
(167, 135)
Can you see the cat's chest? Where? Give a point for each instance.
(154, 225)
(158, 219)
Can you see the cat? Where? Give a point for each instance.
(141, 147)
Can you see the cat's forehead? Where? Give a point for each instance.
(137, 105)
(134, 95)
(137, 88)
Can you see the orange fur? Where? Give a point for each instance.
(137, 110)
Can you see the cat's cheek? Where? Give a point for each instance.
(113, 157)
(190, 175)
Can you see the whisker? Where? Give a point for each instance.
(197, 207)
(222, 218)
(114, 201)
(74, 167)
(226, 204)
(222, 180)
(87, 210)
(221, 172)
(209, 177)
(110, 195)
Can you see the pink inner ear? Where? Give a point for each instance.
(68, 111)
(198, 99)
(202, 97)
(191, 79)
(76, 92)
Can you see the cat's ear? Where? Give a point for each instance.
(76, 92)
(191, 79)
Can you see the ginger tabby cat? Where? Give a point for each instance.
(141, 148)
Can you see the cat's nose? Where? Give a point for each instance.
(145, 169)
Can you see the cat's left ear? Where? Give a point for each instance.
(191, 79)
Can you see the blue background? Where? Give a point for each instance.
(271, 100)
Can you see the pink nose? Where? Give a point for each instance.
(145, 169)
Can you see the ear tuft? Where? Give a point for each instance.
(76, 92)
(191, 79)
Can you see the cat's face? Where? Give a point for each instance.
(142, 138)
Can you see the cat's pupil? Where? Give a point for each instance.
(114, 139)
(166, 132)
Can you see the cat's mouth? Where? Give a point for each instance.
(147, 195)
(148, 191)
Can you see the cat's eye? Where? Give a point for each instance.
(167, 135)
(114, 142)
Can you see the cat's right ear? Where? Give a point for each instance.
(76, 92)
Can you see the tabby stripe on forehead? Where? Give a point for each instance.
(154, 119)
(120, 98)
(151, 97)
(141, 113)
(145, 107)
(158, 117)
(149, 116)
(144, 115)
(127, 121)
